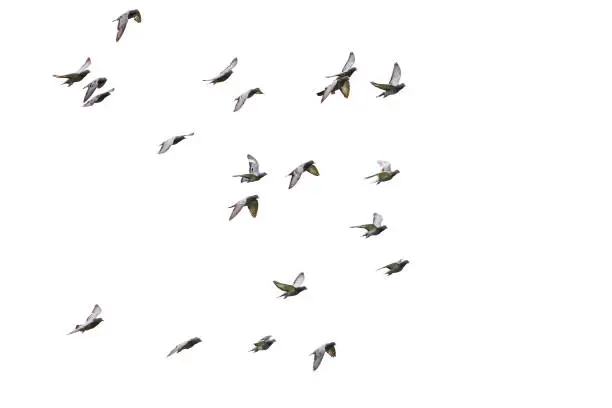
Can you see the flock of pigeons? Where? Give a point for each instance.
(340, 83)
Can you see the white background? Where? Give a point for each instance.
(502, 205)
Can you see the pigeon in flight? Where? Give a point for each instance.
(242, 98)
(263, 344)
(375, 228)
(122, 21)
(92, 321)
(92, 86)
(292, 290)
(385, 173)
(225, 74)
(98, 98)
(393, 86)
(253, 174)
(251, 202)
(164, 147)
(395, 267)
(309, 166)
(329, 348)
(341, 81)
(76, 76)
(184, 346)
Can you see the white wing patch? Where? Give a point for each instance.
(299, 280)
(384, 165)
(396, 75)
(377, 220)
(349, 62)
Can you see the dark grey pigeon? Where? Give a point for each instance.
(373, 229)
(92, 321)
(165, 146)
(242, 98)
(76, 76)
(184, 346)
(341, 82)
(393, 86)
(98, 98)
(329, 348)
(309, 166)
(225, 74)
(395, 267)
(92, 86)
(263, 344)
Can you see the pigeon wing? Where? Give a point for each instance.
(312, 169)
(237, 207)
(121, 24)
(284, 287)
(253, 206)
(85, 65)
(241, 100)
(91, 88)
(384, 87)
(229, 67)
(318, 357)
(94, 313)
(346, 89)
(377, 220)
(164, 147)
(299, 280)
(396, 75)
(253, 165)
(295, 177)
(384, 165)
(349, 62)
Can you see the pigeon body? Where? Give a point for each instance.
(225, 74)
(385, 173)
(393, 86)
(92, 321)
(395, 267)
(76, 76)
(373, 229)
(165, 146)
(92, 86)
(329, 348)
(309, 166)
(122, 21)
(341, 82)
(253, 174)
(242, 98)
(98, 98)
(251, 202)
(292, 290)
(263, 344)
(184, 346)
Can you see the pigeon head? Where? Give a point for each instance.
(394, 172)
(264, 174)
(258, 91)
(350, 71)
(300, 289)
(196, 340)
(84, 73)
(404, 262)
(384, 227)
(101, 82)
(400, 87)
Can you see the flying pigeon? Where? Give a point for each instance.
(329, 348)
(251, 203)
(263, 344)
(393, 86)
(98, 98)
(122, 21)
(309, 166)
(385, 173)
(375, 228)
(395, 267)
(225, 74)
(292, 290)
(253, 174)
(341, 81)
(184, 346)
(92, 321)
(76, 76)
(92, 86)
(164, 147)
(242, 98)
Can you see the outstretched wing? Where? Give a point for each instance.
(237, 207)
(329, 90)
(331, 351)
(94, 313)
(266, 338)
(253, 206)
(241, 100)
(85, 65)
(312, 169)
(384, 87)
(395, 76)
(318, 357)
(377, 220)
(384, 165)
(295, 177)
(346, 88)
(121, 24)
(253, 165)
(299, 280)
(349, 62)
(229, 67)
(177, 349)
(165, 146)
(284, 287)
(91, 88)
